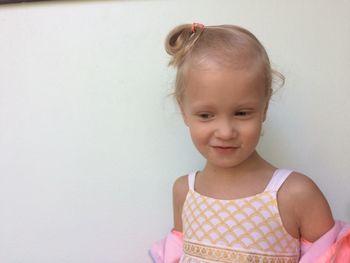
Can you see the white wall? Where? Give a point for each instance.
(90, 144)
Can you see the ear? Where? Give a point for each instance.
(265, 110)
(183, 114)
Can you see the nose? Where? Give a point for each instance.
(225, 130)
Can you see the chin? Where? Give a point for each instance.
(225, 164)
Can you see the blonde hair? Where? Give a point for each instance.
(228, 45)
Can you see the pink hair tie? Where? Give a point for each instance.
(195, 26)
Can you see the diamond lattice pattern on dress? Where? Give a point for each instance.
(251, 223)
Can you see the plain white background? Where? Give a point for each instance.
(90, 142)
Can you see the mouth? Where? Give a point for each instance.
(225, 149)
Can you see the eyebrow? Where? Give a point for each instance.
(249, 103)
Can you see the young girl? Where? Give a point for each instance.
(238, 207)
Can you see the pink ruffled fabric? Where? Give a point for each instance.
(333, 246)
(169, 249)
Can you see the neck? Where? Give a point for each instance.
(253, 163)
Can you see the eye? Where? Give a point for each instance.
(205, 116)
(242, 113)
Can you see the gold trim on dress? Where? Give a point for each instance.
(229, 256)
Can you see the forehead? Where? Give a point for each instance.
(223, 84)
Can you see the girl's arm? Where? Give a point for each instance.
(169, 249)
(180, 190)
(310, 208)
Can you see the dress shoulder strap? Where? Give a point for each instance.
(191, 180)
(278, 178)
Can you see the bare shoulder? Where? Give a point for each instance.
(180, 189)
(300, 186)
(310, 208)
(303, 189)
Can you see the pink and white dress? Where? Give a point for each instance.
(245, 230)
(241, 230)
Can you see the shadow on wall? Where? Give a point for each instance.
(18, 1)
(67, 1)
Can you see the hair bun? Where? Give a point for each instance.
(179, 41)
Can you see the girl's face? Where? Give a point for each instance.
(224, 109)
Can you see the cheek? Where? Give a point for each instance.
(196, 133)
(252, 131)
(199, 134)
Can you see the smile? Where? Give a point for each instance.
(225, 149)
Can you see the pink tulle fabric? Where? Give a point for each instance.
(169, 249)
(333, 246)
